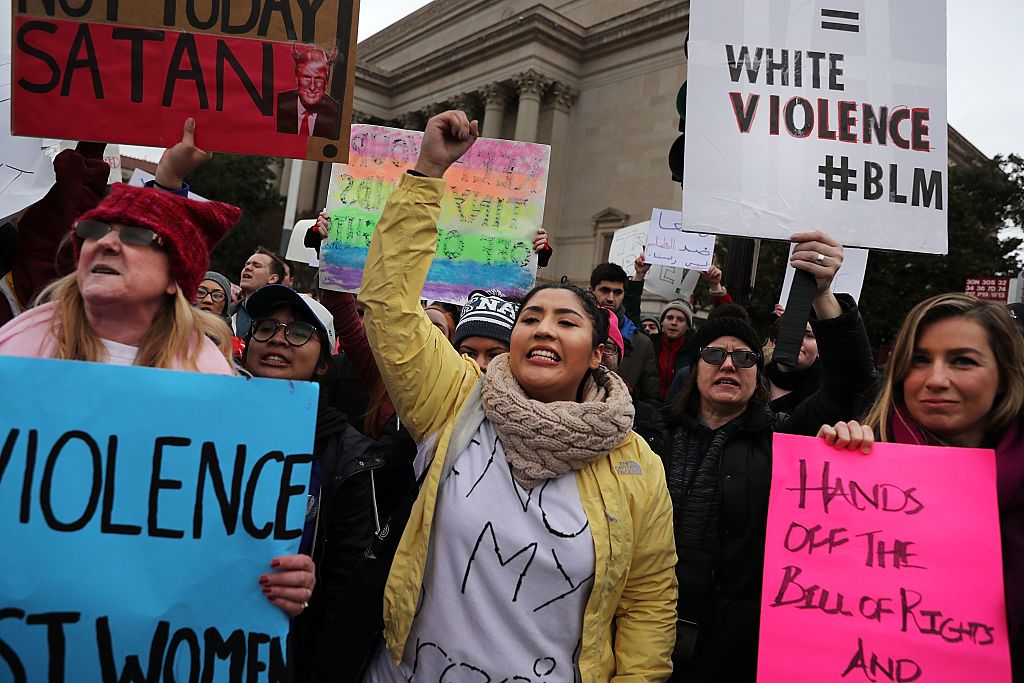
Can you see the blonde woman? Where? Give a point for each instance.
(956, 378)
(140, 257)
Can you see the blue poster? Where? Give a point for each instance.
(138, 508)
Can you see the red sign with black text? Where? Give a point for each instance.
(250, 93)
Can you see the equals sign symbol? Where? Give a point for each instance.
(843, 23)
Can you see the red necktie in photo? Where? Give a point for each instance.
(304, 128)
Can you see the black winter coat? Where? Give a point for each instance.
(721, 589)
(362, 483)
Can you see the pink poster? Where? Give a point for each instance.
(882, 567)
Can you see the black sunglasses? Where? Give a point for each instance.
(295, 333)
(214, 294)
(128, 234)
(712, 355)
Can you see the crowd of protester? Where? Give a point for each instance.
(632, 452)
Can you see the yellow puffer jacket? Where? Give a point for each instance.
(629, 622)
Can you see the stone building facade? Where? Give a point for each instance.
(595, 79)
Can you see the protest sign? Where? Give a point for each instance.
(297, 250)
(668, 245)
(804, 116)
(137, 517)
(111, 155)
(26, 172)
(627, 243)
(849, 279)
(258, 76)
(671, 283)
(665, 282)
(989, 288)
(493, 204)
(893, 565)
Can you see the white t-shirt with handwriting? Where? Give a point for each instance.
(507, 579)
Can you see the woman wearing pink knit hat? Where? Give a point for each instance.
(141, 254)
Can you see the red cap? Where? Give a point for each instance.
(190, 229)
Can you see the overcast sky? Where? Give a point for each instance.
(986, 85)
(986, 88)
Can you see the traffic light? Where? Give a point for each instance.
(676, 153)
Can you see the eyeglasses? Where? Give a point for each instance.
(128, 234)
(713, 355)
(214, 294)
(295, 333)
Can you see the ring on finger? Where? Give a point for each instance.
(820, 260)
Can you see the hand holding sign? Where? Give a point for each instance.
(819, 255)
(641, 266)
(849, 436)
(290, 585)
(446, 138)
(178, 161)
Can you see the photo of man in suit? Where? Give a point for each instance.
(309, 110)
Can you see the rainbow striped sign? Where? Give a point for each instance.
(492, 206)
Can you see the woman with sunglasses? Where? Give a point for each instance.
(540, 546)
(291, 338)
(141, 254)
(718, 461)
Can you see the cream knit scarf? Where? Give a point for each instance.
(545, 440)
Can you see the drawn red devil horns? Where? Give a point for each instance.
(309, 53)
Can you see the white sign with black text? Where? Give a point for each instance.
(818, 115)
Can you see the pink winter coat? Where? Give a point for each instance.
(30, 335)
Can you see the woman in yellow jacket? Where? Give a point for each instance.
(540, 547)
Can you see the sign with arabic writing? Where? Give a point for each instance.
(668, 245)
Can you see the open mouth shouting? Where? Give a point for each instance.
(103, 269)
(274, 360)
(543, 355)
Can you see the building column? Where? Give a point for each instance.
(495, 99)
(563, 98)
(468, 103)
(531, 86)
(433, 109)
(410, 120)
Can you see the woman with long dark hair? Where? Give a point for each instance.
(540, 544)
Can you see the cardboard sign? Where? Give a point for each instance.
(137, 519)
(259, 77)
(26, 172)
(627, 243)
(892, 564)
(989, 288)
(818, 115)
(849, 279)
(668, 245)
(493, 204)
